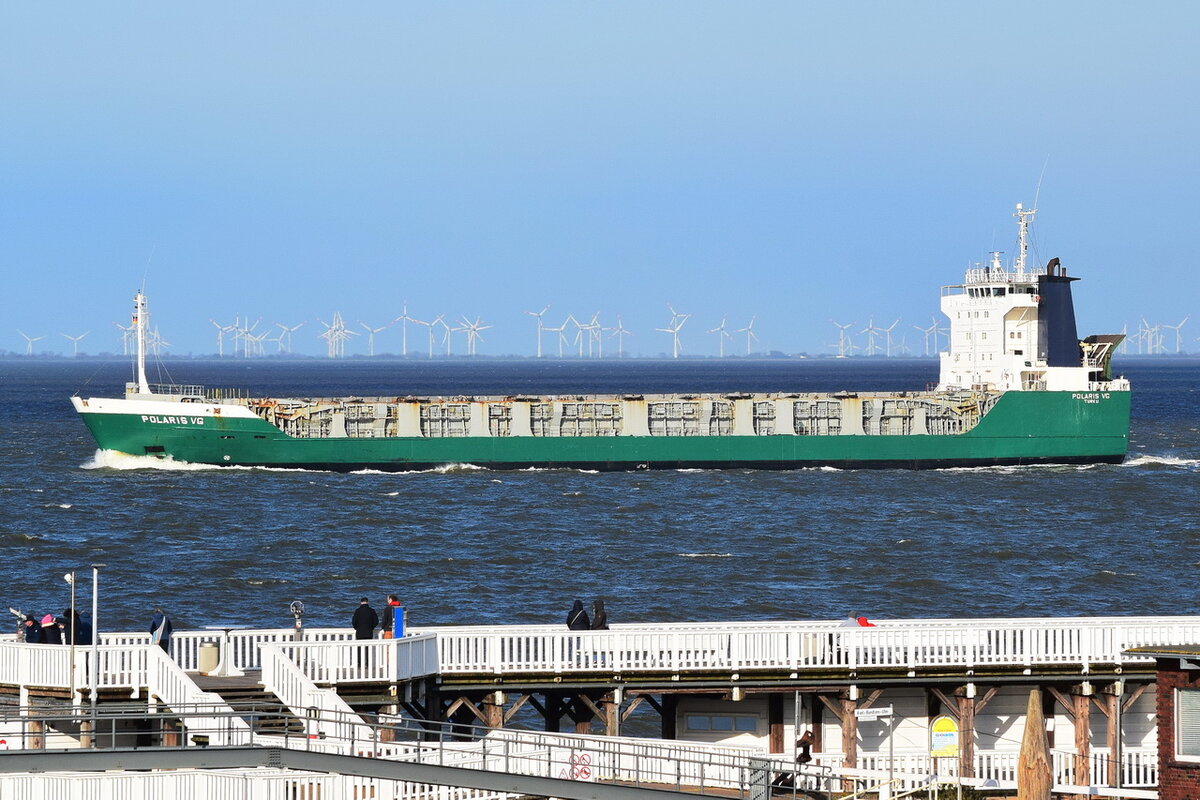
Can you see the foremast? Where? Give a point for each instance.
(141, 318)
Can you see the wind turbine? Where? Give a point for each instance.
(156, 343)
(677, 321)
(127, 335)
(888, 333)
(845, 344)
(441, 320)
(538, 316)
(929, 332)
(335, 335)
(221, 331)
(562, 337)
(620, 333)
(29, 340)
(403, 319)
(429, 328)
(285, 336)
(1179, 333)
(749, 331)
(473, 336)
(595, 335)
(75, 342)
(722, 335)
(871, 331)
(371, 336)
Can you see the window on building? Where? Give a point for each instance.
(739, 723)
(1187, 722)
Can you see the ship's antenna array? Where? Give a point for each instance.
(1023, 219)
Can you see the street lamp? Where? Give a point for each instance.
(95, 670)
(70, 578)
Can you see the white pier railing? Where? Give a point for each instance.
(800, 646)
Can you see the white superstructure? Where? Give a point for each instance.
(1013, 328)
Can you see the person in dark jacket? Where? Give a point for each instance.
(364, 621)
(160, 630)
(599, 616)
(577, 618)
(50, 631)
(33, 630)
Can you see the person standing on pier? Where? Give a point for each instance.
(393, 618)
(160, 630)
(33, 630)
(51, 633)
(364, 621)
(599, 616)
(577, 618)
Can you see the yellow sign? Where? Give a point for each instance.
(943, 737)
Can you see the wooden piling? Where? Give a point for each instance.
(1035, 775)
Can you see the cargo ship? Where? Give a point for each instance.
(1017, 386)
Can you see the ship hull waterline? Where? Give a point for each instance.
(1023, 428)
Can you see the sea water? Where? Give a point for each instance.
(466, 545)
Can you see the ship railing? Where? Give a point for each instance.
(177, 390)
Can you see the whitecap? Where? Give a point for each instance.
(392, 494)
(705, 555)
(1166, 461)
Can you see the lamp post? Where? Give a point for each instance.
(95, 670)
(70, 579)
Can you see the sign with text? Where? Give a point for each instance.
(880, 712)
(943, 737)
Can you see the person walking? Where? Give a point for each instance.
(364, 621)
(577, 618)
(599, 616)
(393, 618)
(160, 630)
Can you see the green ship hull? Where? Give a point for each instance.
(1023, 427)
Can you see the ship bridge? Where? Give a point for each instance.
(1012, 328)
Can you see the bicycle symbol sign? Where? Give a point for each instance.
(579, 769)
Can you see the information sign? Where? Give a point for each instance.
(943, 737)
(879, 712)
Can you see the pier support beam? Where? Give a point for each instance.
(775, 723)
(610, 713)
(667, 709)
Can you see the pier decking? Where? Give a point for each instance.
(742, 683)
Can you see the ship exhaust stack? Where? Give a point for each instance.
(1058, 343)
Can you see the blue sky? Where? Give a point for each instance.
(794, 161)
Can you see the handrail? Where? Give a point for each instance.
(325, 713)
(171, 685)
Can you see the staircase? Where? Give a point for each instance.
(261, 709)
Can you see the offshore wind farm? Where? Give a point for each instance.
(572, 339)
